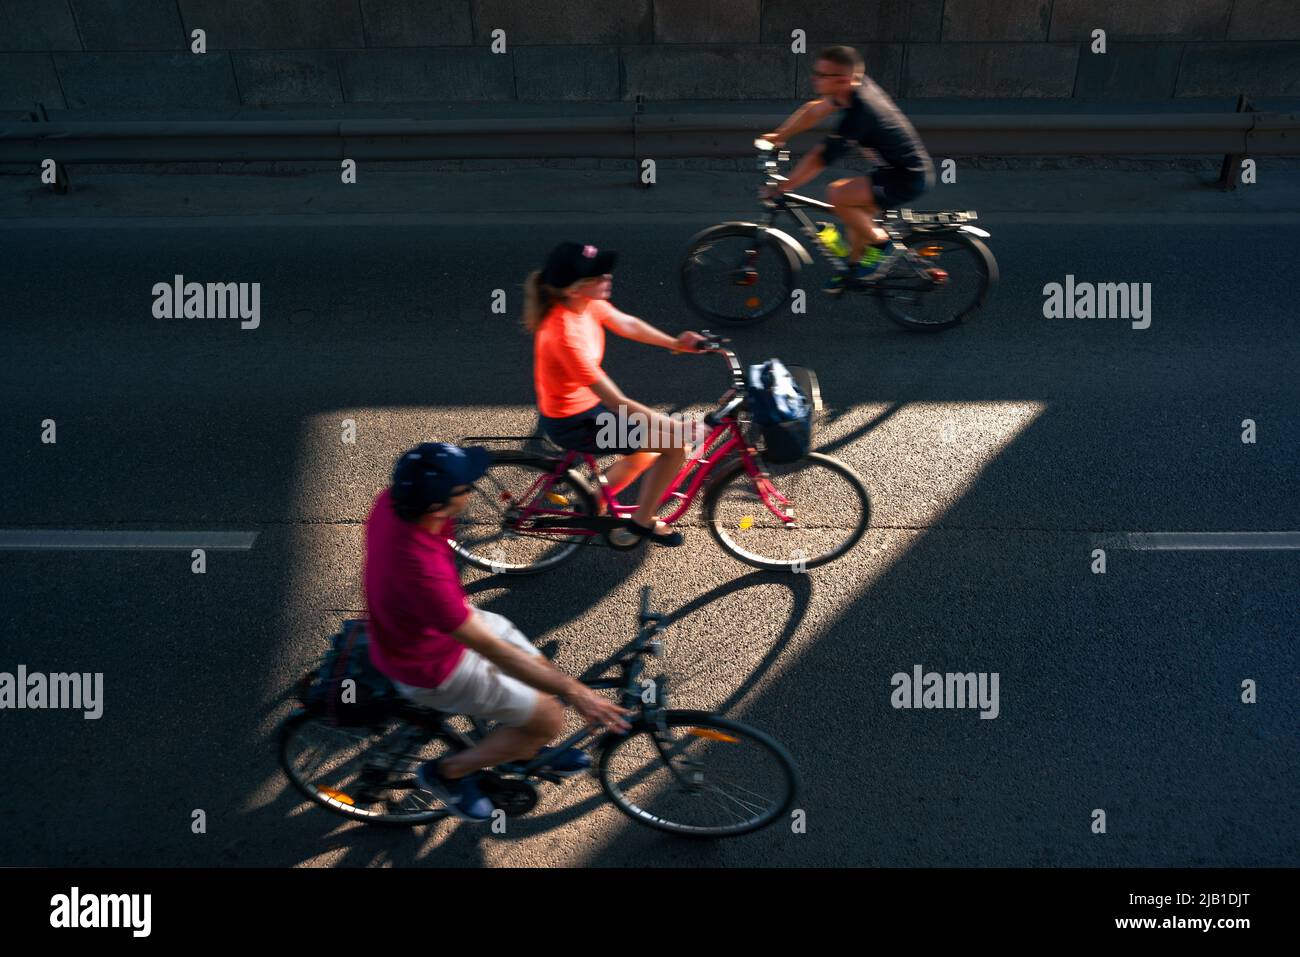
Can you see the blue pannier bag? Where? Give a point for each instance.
(371, 696)
(782, 413)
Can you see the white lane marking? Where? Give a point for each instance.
(30, 539)
(1209, 541)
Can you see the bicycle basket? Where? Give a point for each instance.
(782, 411)
(346, 689)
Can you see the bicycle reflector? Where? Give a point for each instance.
(931, 251)
(555, 498)
(336, 796)
(713, 735)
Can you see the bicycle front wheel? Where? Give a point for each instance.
(954, 281)
(366, 774)
(791, 517)
(736, 274)
(700, 775)
(498, 531)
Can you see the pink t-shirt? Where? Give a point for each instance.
(414, 598)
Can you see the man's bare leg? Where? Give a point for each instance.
(855, 204)
(508, 744)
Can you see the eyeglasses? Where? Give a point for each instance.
(471, 487)
(818, 75)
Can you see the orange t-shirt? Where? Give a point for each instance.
(567, 350)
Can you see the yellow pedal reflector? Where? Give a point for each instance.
(931, 251)
(337, 796)
(747, 522)
(555, 498)
(713, 735)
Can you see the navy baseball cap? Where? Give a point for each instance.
(569, 262)
(426, 474)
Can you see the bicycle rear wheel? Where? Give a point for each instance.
(825, 499)
(701, 775)
(736, 274)
(366, 774)
(958, 275)
(490, 534)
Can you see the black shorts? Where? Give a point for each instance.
(579, 433)
(894, 187)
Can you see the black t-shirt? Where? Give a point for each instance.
(872, 119)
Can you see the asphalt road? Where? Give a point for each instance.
(997, 456)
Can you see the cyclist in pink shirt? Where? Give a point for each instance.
(443, 653)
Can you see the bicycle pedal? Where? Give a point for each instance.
(635, 543)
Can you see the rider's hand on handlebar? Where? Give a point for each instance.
(688, 342)
(599, 710)
(775, 140)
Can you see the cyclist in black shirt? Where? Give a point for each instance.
(870, 120)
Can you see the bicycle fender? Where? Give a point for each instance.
(791, 244)
(982, 233)
(793, 248)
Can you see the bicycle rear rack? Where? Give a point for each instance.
(947, 217)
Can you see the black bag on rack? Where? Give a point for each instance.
(368, 699)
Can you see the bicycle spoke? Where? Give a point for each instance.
(727, 810)
(754, 809)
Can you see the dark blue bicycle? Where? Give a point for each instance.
(691, 773)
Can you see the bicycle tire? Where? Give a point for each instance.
(491, 557)
(726, 731)
(982, 261)
(786, 265)
(336, 799)
(720, 527)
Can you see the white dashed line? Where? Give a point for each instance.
(1209, 541)
(69, 539)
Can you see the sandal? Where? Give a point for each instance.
(669, 539)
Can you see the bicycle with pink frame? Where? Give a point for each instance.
(530, 511)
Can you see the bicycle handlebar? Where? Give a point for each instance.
(714, 343)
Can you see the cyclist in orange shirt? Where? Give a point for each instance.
(567, 309)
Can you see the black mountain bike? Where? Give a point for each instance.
(936, 270)
(691, 773)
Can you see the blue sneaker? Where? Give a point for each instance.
(865, 268)
(461, 796)
(566, 764)
(836, 284)
(569, 762)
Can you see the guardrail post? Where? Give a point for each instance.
(61, 181)
(1228, 171)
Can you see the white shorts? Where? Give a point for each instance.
(479, 688)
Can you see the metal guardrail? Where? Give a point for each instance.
(633, 136)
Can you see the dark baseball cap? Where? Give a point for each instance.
(426, 474)
(569, 262)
